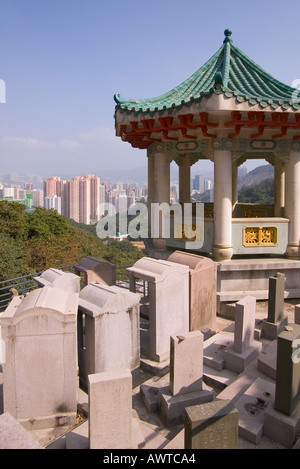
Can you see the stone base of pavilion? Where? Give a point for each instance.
(239, 277)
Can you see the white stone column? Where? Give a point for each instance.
(184, 164)
(234, 183)
(150, 198)
(292, 205)
(161, 190)
(279, 176)
(222, 243)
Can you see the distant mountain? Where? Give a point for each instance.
(257, 175)
(138, 175)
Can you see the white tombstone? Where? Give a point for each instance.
(110, 409)
(168, 287)
(40, 369)
(108, 330)
(59, 279)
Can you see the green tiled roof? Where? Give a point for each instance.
(230, 72)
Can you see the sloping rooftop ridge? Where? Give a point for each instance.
(230, 72)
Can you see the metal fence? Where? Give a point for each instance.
(26, 283)
(23, 285)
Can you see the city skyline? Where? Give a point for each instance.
(62, 62)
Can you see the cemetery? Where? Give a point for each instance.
(207, 355)
(92, 368)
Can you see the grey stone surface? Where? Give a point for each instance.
(14, 436)
(212, 425)
(172, 407)
(266, 361)
(287, 370)
(276, 297)
(252, 406)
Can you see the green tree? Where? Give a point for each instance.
(262, 193)
(12, 258)
(44, 223)
(13, 219)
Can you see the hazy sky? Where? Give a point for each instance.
(63, 60)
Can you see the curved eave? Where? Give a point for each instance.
(199, 85)
(229, 72)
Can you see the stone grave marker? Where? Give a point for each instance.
(40, 370)
(96, 270)
(186, 386)
(288, 369)
(213, 425)
(297, 314)
(59, 279)
(245, 348)
(108, 330)
(276, 320)
(110, 410)
(168, 288)
(203, 289)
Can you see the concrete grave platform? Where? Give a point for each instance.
(252, 406)
(271, 330)
(149, 392)
(172, 407)
(214, 373)
(214, 349)
(280, 427)
(237, 362)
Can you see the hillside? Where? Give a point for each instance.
(34, 242)
(257, 186)
(257, 175)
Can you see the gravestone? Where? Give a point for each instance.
(203, 289)
(213, 425)
(186, 369)
(276, 297)
(59, 279)
(168, 289)
(40, 370)
(186, 378)
(108, 330)
(110, 409)
(245, 348)
(276, 320)
(96, 270)
(297, 314)
(288, 369)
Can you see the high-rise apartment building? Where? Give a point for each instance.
(80, 196)
(198, 183)
(53, 202)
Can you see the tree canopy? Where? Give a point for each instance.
(33, 242)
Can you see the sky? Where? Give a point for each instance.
(62, 61)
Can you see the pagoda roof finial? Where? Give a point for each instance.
(227, 33)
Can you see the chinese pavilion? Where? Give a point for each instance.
(228, 111)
